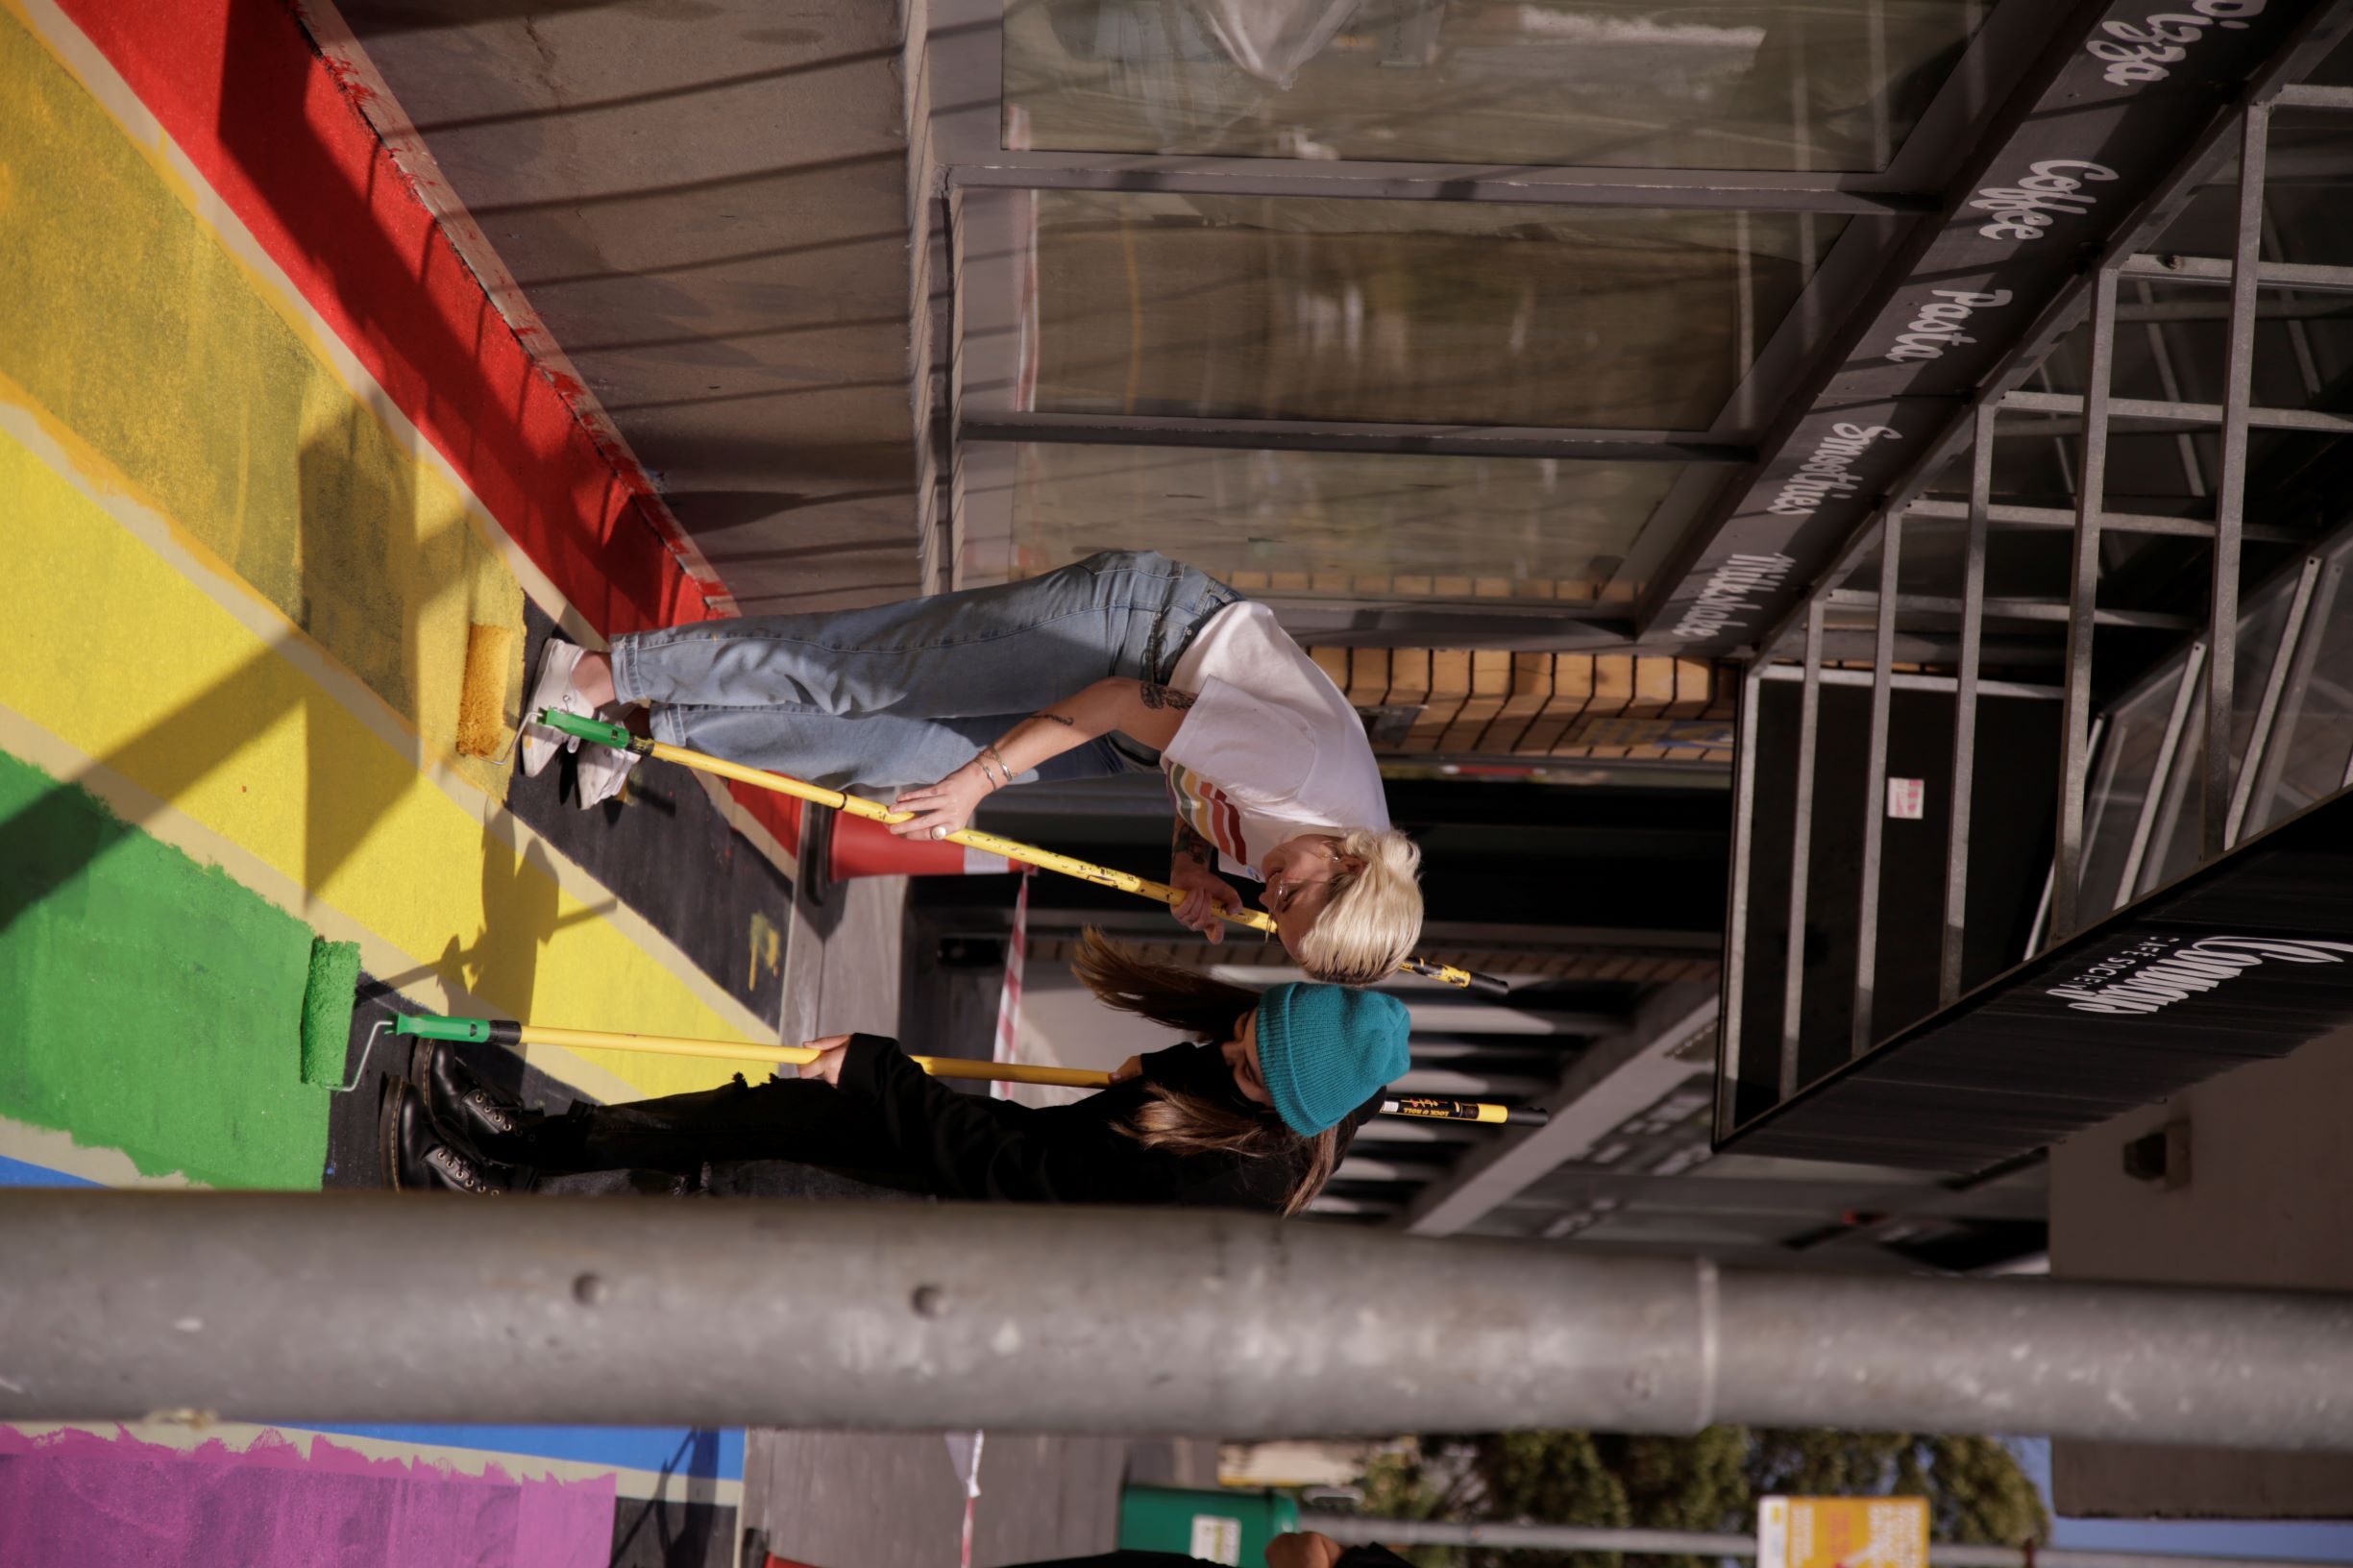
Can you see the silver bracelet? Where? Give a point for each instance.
(988, 754)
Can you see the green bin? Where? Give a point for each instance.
(1226, 1524)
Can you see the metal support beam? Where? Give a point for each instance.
(1736, 913)
(311, 1308)
(1597, 445)
(2206, 269)
(1874, 790)
(1965, 707)
(1800, 852)
(2230, 490)
(1908, 680)
(2162, 412)
(2082, 601)
(1736, 190)
(2016, 609)
(2055, 517)
(1357, 1529)
(1615, 1079)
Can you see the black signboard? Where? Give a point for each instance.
(2243, 960)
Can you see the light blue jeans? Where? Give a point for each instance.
(901, 695)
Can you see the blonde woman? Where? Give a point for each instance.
(1121, 661)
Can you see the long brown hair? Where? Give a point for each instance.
(1207, 1009)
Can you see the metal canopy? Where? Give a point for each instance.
(2169, 751)
(989, 191)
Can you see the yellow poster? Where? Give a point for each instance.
(1842, 1532)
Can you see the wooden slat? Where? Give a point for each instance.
(1490, 687)
(1695, 687)
(1333, 662)
(1653, 690)
(1573, 678)
(1450, 687)
(1531, 687)
(1368, 677)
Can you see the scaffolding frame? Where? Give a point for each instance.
(2205, 665)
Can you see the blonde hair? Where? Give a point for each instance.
(1375, 914)
(1209, 1010)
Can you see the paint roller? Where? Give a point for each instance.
(505, 1032)
(329, 994)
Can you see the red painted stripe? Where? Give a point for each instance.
(238, 88)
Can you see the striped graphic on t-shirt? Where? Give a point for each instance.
(1202, 807)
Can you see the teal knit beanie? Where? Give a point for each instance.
(1324, 1049)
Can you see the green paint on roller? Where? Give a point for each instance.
(148, 998)
(327, 1010)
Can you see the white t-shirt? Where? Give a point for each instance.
(1270, 748)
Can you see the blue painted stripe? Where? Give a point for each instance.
(19, 1173)
(714, 1456)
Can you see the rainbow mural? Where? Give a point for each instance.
(266, 452)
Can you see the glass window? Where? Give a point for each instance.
(1620, 84)
(2129, 754)
(1337, 524)
(2314, 732)
(1404, 311)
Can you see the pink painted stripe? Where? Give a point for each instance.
(70, 1499)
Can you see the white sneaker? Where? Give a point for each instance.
(603, 769)
(552, 688)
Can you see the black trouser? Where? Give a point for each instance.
(800, 1121)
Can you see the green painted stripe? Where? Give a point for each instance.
(151, 1005)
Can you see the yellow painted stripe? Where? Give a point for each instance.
(209, 398)
(207, 409)
(125, 659)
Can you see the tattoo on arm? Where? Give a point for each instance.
(1191, 845)
(1062, 718)
(1165, 696)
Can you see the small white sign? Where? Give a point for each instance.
(1905, 798)
(1217, 1538)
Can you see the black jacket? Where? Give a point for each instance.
(967, 1146)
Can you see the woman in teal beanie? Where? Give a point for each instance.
(1256, 1114)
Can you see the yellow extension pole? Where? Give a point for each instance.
(939, 1066)
(500, 1032)
(1028, 854)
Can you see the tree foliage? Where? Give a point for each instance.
(1711, 1482)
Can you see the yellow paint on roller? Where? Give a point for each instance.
(188, 704)
(487, 700)
(170, 369)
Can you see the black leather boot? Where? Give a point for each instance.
(466, 1111)
(417, 1159)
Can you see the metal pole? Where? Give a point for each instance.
(1357, 1529)
(304, 1307)
(2083, 595)
(2230, 490)
(1874, 789)
(1965, 706)
(2266, 711)
(1737, 916)
(1801, 850)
